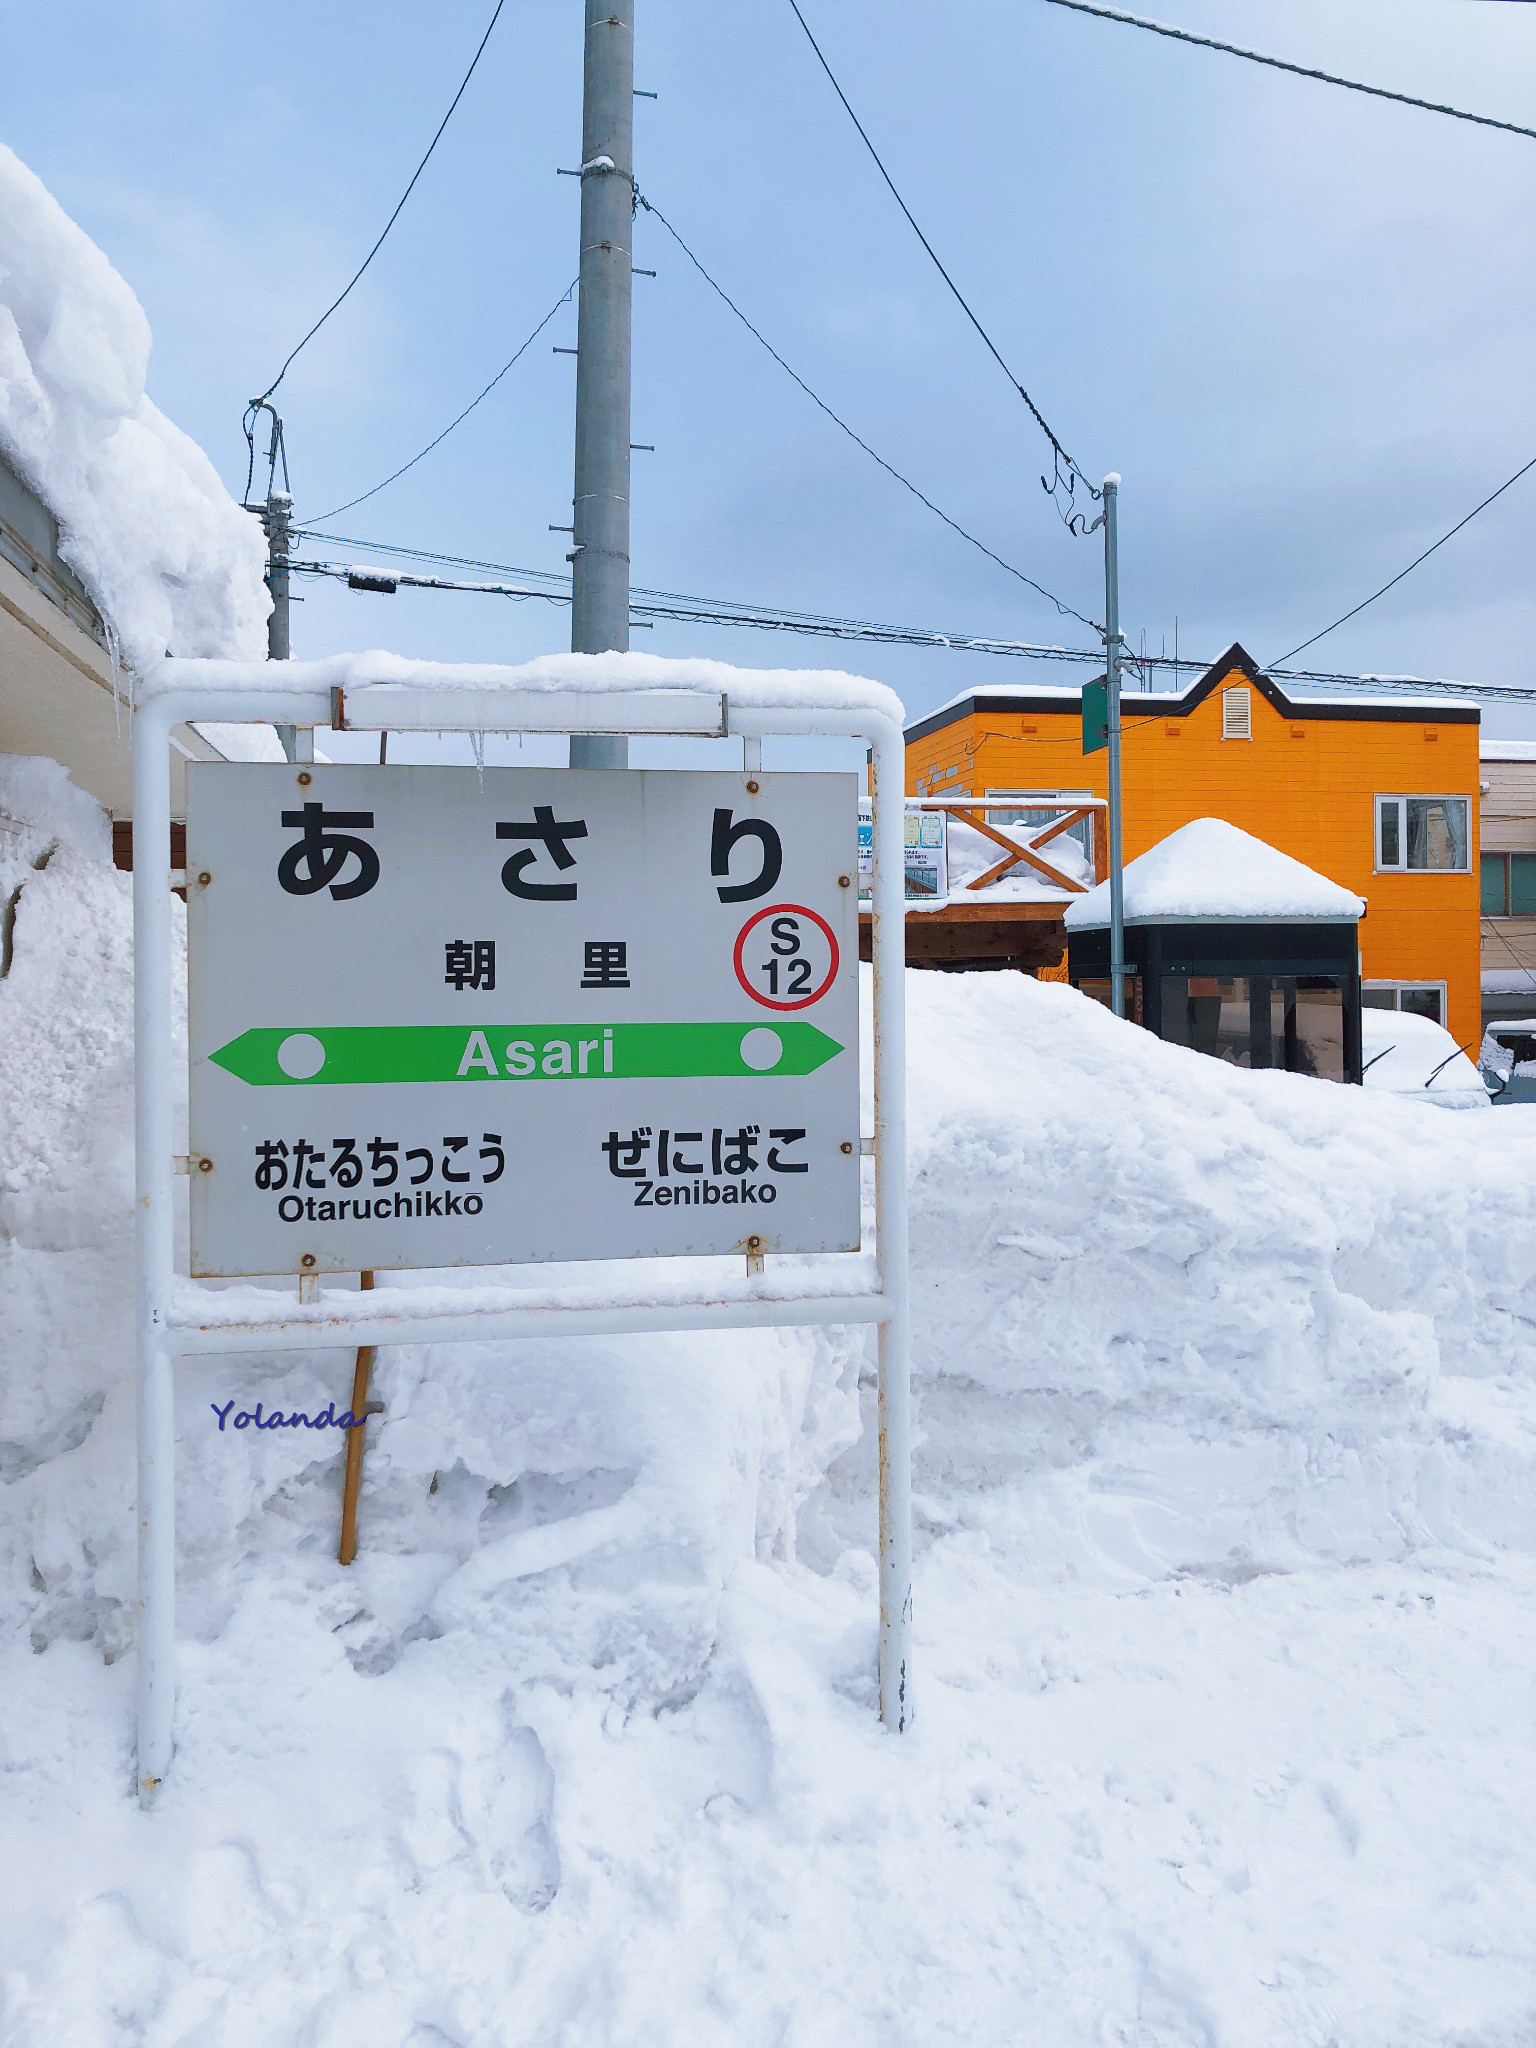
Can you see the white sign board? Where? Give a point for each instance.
(438, 1018)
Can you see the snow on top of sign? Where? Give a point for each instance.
(598, 674)
(1209, 868)
(168, 557)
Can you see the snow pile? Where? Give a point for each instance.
(1413, 1056)
(38, 802)
(1209, 868)
(55, 871)
(172, 563)
(1225, 1601)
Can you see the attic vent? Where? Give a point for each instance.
(1237, 714)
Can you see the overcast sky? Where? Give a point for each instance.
(1298, 321)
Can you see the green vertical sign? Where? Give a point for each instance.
(1096, 716)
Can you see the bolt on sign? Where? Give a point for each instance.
(439, 1018)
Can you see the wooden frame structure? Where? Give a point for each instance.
(1025, 934)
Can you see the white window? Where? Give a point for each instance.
(1423, 834)
(1237, 714)
(1419, 998)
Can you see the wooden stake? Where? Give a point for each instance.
(354, 1478)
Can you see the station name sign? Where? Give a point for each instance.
(443, 1018)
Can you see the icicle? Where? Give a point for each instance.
(477, 741)
(115, 658)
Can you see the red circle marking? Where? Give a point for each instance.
(786, 910)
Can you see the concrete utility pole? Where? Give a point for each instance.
(278, 521)
(1112, 707)
(600, 554)
(279, 516)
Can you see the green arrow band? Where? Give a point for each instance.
(345, 1055)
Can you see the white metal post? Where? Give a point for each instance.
(157, 1343)
(174, 1320)
(888, 916)
(153, 1169)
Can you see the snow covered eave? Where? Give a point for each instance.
(1006, 698)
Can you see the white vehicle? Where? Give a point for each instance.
(1411, 1056)
(1508, 1055)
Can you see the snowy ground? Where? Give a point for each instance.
(1225, 1599)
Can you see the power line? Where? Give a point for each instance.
(1440, 543)
(378, 245)
(564, 299)
(1376, 92)
(681, 608)
(1060, 453)
(1067, 611)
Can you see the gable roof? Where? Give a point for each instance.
(1013, 699)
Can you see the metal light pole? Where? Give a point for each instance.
(1112, 695)
(600, 552)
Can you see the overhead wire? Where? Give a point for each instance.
(563, 300)
(1066, 610)
(378, 245)
(681, 607)
(1073, 472)
(1376, 92)
(277, 451)
(1440, 543)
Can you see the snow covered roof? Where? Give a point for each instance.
(1346, 705)
(1067, 697)
(170, 560)
(1506, 750)
(1210, 869)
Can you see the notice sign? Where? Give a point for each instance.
(927, 853)
(442, 1019)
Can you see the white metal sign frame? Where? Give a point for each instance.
(176, 1318)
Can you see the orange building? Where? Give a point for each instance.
(1378, 793)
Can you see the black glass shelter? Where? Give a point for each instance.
(1257, 993)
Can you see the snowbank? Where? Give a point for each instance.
(1209, 868)
(39, 803)
(173, 564)
(1225, 1608)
